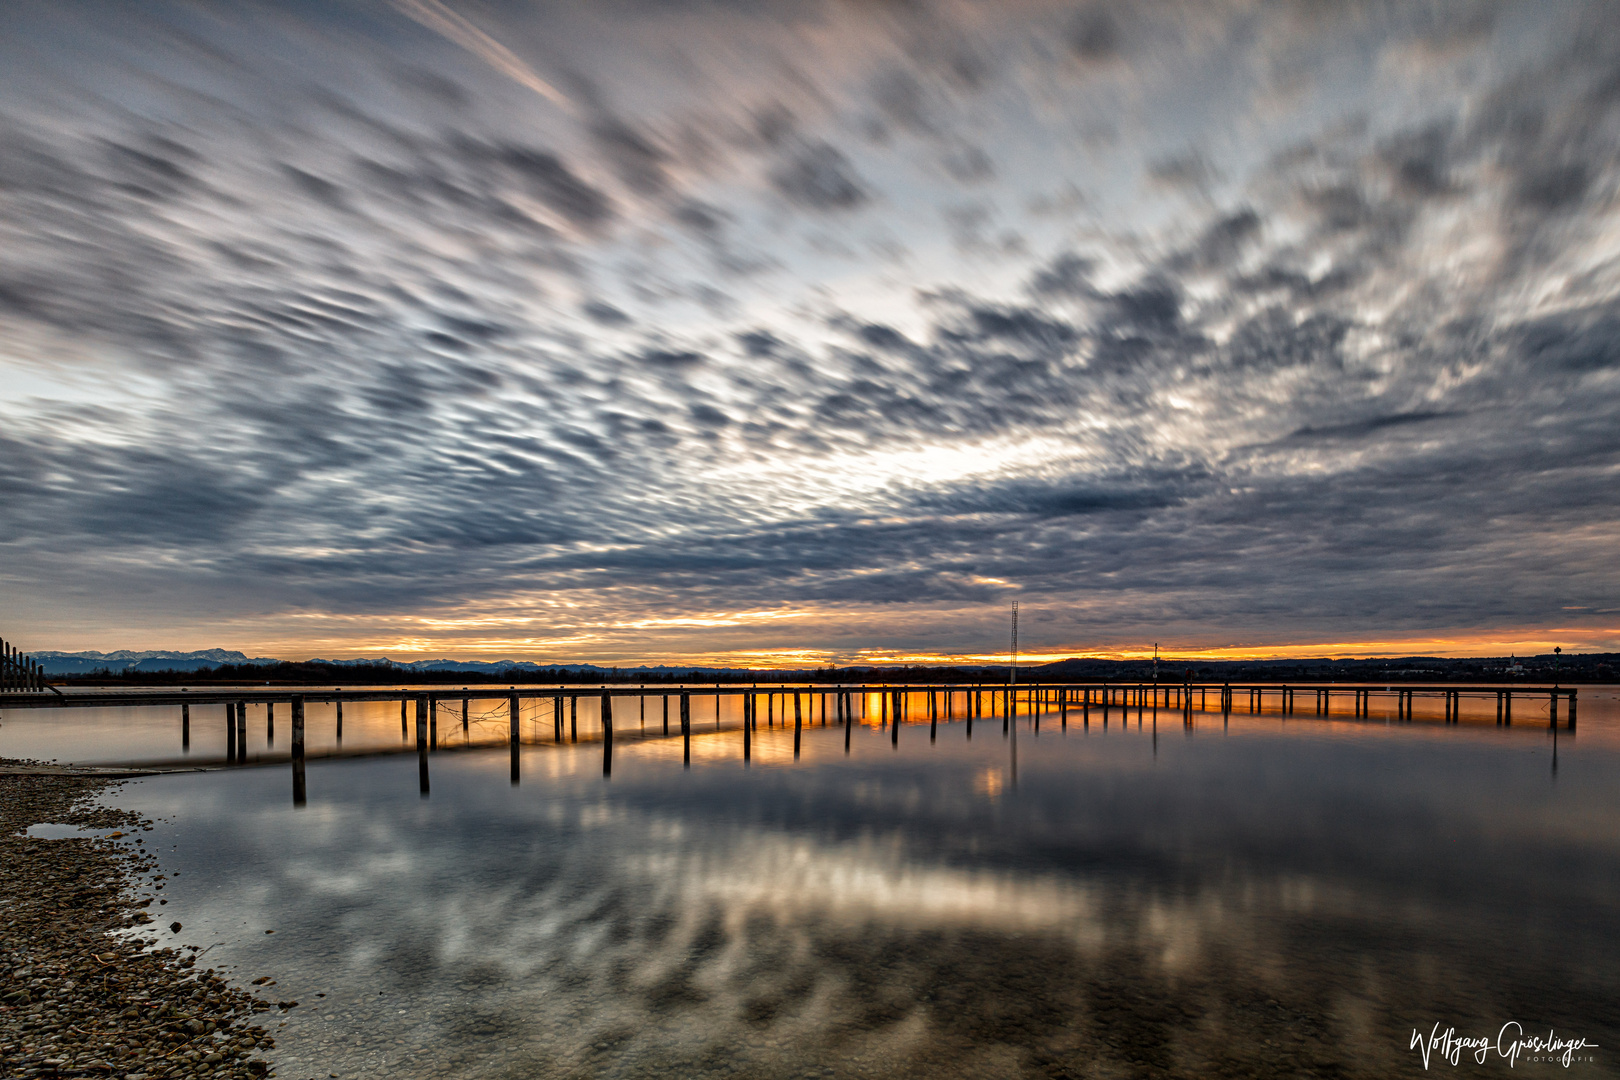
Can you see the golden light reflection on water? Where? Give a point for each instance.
(889, 913)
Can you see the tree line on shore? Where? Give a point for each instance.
(1577, 668)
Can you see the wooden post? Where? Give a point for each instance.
(185, 728)
(269, 723)
(463, 714)
(798, 725)
(748, 746)
(230, 731)
(573, 718)
(556, 718)
(933, 718)
(298, 725)
(1507, 713)
(607, 733)
(340, 721)
(1572, 708)
(241, 731)
(513, 710)
(300, 788)
(686, 726)
(433, 723)
(402, 704)
(894, 728)
(665, 699)
(1552, 708)
(422, 723)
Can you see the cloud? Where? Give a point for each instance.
(819, 177)
(443, 20)
(388, 347)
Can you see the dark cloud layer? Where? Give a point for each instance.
(327, 331)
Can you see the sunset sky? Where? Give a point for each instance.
(782, 333)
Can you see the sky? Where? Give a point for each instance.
(782, 333)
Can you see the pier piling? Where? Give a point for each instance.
(298, 725)
(686, 727)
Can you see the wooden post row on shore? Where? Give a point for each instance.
(18, 671)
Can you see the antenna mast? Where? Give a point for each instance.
(1012, 674)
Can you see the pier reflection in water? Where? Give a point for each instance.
(1249, 896)
(242, 730)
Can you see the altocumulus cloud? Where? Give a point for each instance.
(827, 327)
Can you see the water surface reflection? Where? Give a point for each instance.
(1260, 898)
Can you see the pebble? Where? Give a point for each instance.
(80, 1001)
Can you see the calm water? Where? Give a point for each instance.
(1264, 897)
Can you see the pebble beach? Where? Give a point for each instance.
(87, 988)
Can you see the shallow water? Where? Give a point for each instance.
(1256, 897)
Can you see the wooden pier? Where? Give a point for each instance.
(885, 705)
(890, 704)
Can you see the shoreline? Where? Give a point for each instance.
(76, 1000)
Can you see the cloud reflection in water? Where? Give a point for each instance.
(1180, 909)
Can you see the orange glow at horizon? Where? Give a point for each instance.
(586, 648)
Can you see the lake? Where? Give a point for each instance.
(1252, 896)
